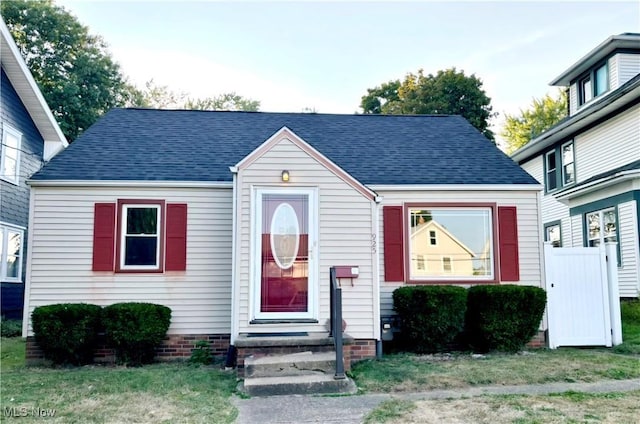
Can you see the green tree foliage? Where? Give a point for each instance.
(78, 78)
(162, 97)
(541, 115)
(448, 92)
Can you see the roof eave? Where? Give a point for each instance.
(28, 90)
(608, 46)
(567, 195)
(577, 122)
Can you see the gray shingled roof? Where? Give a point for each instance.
(178, 145)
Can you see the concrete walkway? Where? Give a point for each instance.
(353, 409)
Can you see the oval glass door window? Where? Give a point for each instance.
(285, 235)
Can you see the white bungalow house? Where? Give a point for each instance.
(233, 220)
(589, 163)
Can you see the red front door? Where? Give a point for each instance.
(284, 253)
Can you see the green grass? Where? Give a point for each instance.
(96, 394)
(409, 372)
(630, 311)
(389, 410)
(11, 353)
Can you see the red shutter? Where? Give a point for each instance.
(508, 236)
(393, 243)
(176, 247)
(104, 233)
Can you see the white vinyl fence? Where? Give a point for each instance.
(583, 303)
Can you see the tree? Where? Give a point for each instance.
(161, 97)
(225, 101)
(542, 114)
(76, 74)
(448, 92)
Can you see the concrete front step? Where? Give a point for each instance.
(319, 383)
(294, 364)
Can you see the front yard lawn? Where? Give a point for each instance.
(160, 393)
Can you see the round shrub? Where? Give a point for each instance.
(503, 318)
(431, 316)
(134, 330)
(67, 333)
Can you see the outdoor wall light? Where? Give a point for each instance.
(285, 176)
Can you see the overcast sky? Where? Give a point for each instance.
(324, 55)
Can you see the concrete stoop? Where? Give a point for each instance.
(298, 373)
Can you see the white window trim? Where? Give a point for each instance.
(4, 242)
(9, 130)
(123, 237)
(573, 163)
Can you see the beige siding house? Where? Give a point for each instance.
(250, 211)
(589, 163)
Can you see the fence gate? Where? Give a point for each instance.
(580, 296)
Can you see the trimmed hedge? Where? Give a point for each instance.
(67, 332)
(431, 316)
(135, 329)
(503, 317)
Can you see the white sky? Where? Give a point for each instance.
(324, 55)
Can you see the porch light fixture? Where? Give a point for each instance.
(285, 176)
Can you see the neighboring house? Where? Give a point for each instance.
(30, 136)
(436, 252)
(589, 163)
(233, 219)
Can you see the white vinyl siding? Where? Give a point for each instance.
(609, 145)
(629, 273)
(344, 238)
(529, 232)
(200, 297)
(573, 99)
(628, 66)
(613, 72)
(552, 210)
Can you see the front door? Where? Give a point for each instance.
(284, 283)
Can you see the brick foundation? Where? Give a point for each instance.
(539, 340)
(174, 346)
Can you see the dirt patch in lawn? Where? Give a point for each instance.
(610, 408)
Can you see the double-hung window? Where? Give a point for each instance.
(551, 170)
(559, 167)
(552, 233)
(140, 236)
(10, 155)
(11, 248)
(601, 227)
(568, 168)
(593, 84)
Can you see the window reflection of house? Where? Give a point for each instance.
(446, 256)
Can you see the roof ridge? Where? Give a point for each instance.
(415, 115)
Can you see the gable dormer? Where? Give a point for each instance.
(601, 71)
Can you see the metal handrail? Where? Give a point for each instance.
(336, 322)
